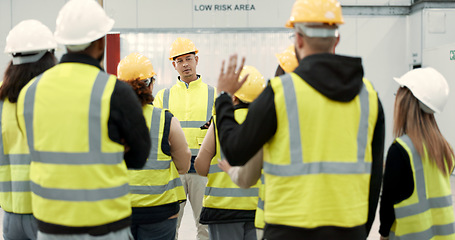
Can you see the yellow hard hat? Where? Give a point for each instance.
(182, 46)
(288, 59)
(253, 86)
(315, 11)
(135, 67)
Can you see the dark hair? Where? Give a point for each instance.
(17, 76)
(143, 92)
(279, 71)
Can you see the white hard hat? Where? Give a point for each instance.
(428, 86)
(28, 41)
(80, 22)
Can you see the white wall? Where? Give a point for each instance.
(389, 44)
(13, 12)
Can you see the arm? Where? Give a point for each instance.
(398, 185)
(206, 153)
(241, 142)
(181, 154)
(376, 167)
(247, 175)
(126, 125)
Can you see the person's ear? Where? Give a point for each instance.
(336, 44)
(197, 59)
(173, 64)
(299, 42)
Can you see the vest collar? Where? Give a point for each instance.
(80, 58)
(194, 83)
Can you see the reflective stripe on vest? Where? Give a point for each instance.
(158, 182)
(152, 161)
(193, 124)
(260, 200)
(156, 189)
(12, 159)
(221, 192)
(94, 156)
(189, 104)
(231, 192)
(297, 166)
(424, 203)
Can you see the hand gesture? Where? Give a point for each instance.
(229, 81)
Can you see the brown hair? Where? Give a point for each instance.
(17, 76)
(422, 129)
(143, 92)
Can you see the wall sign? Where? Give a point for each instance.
(224, 7)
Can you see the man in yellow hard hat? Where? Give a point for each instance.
(156, 190)
(322, 132)
(191, 101)
(229, 210)
(83, 128)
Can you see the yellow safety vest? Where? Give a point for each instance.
(318, 164)
(428, 212)
(220, 191)
(79, 178)
(259, 217)
(158, 182)
(193, 107)
(15, 193)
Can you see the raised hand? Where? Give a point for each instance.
(229, 81)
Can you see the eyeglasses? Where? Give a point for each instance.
(292, 37)
(149, 81)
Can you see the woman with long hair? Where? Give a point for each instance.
(32, 46)
(416, 200)
(156, 190)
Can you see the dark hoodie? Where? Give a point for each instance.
(337, 77)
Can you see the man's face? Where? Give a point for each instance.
(186, 66)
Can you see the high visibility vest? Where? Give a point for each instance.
(15, 193)
(259, 217)
(318, 164)
(220, 191)
(79, 178)
(192, 106)
(428, 212)
(158, 182)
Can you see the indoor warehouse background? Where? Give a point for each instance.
(391, 37)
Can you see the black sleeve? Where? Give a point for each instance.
(398, 185)
(126, 125)
(377, 166)
(241, 142)
(165, 147)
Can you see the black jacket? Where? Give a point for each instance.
(340, 79)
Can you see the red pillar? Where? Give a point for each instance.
(112, 52)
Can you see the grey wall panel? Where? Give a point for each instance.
(381, 43)
(164, 14)
(219, 13)
(45, 11)
(438, 27)
(275, 16)
(124, 12)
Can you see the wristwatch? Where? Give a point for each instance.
(223, 92)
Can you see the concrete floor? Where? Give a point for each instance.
(187, 230)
